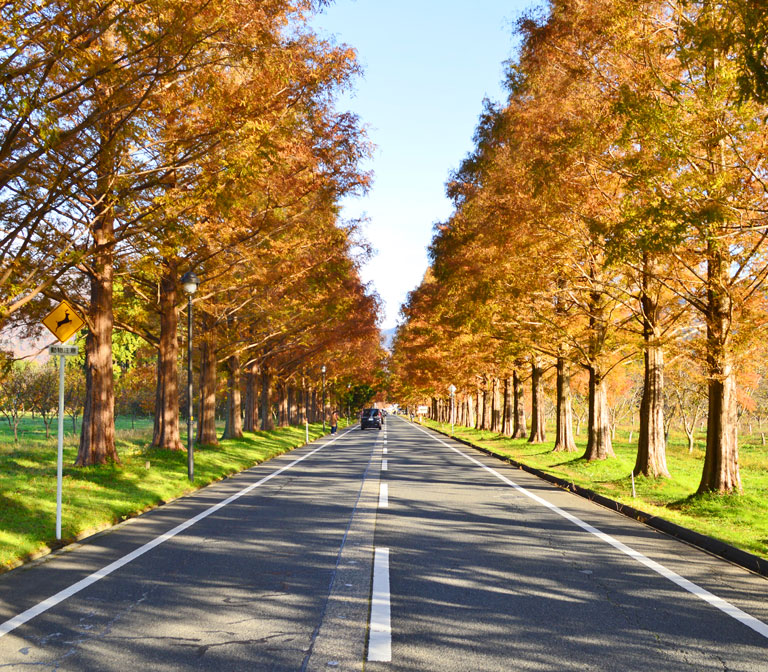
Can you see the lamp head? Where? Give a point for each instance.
(190, 282)
(323, 369)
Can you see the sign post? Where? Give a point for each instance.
(63, 321)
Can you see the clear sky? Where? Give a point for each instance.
(427, 65)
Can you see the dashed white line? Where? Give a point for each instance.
(384, 450)
(380, 633)
(702, 593)
(383, 496)
(384, 465)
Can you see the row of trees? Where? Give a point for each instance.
(31, 390)
(613, 208)
(141, 139)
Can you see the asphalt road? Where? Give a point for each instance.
(383, 550)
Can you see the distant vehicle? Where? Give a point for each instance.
(371, 417)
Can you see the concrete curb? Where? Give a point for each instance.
(750, 561)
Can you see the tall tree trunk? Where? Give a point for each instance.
(519, 430)
(206, 427)
(234, 426)
(496, 416)
(538, 430)
(166, 434)
(282, 404)
(470, 419)
(508, 406)
(251, 412)
(652, 446)
(721, 461)
(267, 421)
(479, 408)
(97, 434)
(487, 405)
(599, 446)
(564, 441)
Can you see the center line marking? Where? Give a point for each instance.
(384, 465)
(383, 496)
(693, 588)
(384, 450)
(380, 633)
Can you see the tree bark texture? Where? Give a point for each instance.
(267, 421)
(599, 446)
(487, 404)
(496, 414)
(519, 430)
(538, 429)
(234, 425)
(97, 434)
(281, 404)
(652, 445)
(564, 441)
(206, 426)
(508, 406)
(166, 434)
(251, 405)
(721, 461)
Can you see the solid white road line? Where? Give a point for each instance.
(20, 619)
(726, 607)
(383, 496)
(384, 465)
(380, 633)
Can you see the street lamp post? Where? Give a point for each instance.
(322, 370)
(452, 390)
(189, 282)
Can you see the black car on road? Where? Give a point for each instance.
(371, 417)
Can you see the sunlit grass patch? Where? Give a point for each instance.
(99, 496)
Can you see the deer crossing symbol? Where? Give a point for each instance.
(67, 320)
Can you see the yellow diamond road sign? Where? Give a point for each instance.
(64, 321)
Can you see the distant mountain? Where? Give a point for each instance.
(386, 337)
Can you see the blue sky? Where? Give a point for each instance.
(427, 67)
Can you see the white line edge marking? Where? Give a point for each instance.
(41, 607)
(383, 495)
(384, 466)
(380, 632)
(702, 593)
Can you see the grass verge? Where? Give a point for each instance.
(739, 520)
(95, 498)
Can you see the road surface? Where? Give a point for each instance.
(383, 550)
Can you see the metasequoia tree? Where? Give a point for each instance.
(707, 194)
(139, 165)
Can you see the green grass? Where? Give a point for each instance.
(740, 520)
(95, 498)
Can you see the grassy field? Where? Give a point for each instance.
(740, 520)
(95, 498)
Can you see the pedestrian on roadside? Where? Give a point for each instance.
(334, 421)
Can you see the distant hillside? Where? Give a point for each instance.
(386, 337)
